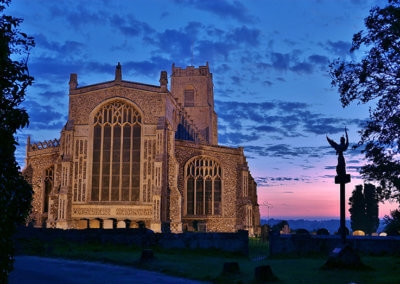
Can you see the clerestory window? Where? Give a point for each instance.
(116, 153)
(203, 187)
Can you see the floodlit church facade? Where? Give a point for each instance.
(133, 153)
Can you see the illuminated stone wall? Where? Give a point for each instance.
(163, 156)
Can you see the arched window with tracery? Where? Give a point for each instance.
(116, 153)
(48, 187)
(203, 187)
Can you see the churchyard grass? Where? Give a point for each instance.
(207, 265)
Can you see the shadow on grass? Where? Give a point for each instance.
(207, 265)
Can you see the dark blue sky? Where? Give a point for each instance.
(270, 64)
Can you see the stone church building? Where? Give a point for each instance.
(132, 153)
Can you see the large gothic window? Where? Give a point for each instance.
(116, 153)
(203, 187)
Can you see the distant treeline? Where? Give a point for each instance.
(331, 225)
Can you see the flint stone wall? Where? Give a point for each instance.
(230, 242)
(306, 244)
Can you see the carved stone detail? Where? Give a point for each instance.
(91, 211)
(134, 212)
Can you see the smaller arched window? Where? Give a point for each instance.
(48, 187)
(203, 187)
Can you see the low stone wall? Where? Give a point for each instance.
(306, 244)
(230, 242)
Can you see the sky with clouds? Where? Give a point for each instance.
(269, 59)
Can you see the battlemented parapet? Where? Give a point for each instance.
(191, 71)
(43, 147)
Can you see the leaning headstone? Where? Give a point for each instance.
(230, 268)
(264, 274)
(147, 254)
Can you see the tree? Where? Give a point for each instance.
(392, 222)
(371, 209)
(376, 78)
(364, 209)
(15, 192)
(357, 209)
(279, 226)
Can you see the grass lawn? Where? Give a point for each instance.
(207, 265)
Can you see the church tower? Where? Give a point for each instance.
(193, 88)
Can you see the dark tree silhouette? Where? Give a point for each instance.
(364, 209)
(376, 78)
(392, 222)
(357, 209)
(371, 209)
(302, 231)
(15, 192)
(322, 232)
(279, 226)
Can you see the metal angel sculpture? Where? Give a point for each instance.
(340, 148)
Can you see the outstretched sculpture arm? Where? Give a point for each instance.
(332, 143)
(347, 139)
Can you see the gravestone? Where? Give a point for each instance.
(344, 257)
(264, 274)
(230, 268)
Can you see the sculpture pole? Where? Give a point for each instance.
(342, 178)
(343, 212)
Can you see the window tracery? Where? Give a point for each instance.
(203, 187)
(116, 153)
